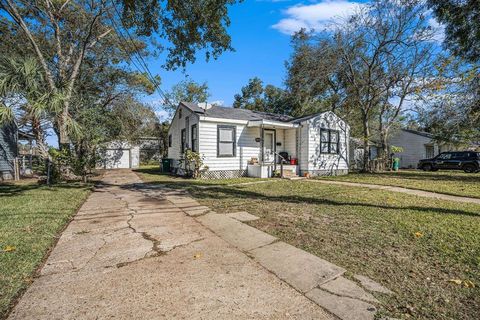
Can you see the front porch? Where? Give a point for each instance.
(278, 150)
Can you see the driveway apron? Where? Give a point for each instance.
(130, 253)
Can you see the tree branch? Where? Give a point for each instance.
(13, 12)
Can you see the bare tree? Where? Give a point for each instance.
(387, 48)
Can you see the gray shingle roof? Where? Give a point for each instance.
(236, 113)
(420, 133)
(192, 106)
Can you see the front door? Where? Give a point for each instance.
(269, 146)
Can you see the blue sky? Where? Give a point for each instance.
(260, 32)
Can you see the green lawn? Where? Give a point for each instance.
(448, 182)
(31, 216)
(412, 245)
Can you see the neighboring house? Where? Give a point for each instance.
(8, 152)
(416, 145)
(239, 142)
(119, 155)
(15, 157)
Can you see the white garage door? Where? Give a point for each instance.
(117, 159)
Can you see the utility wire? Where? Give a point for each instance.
(139, 56)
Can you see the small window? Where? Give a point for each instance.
(180, 113)
(187, 132)
(429, 152)
(329, 141)
(183, 137)
(194, 138)
(169, 140)
(226, 141)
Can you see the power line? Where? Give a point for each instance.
(139, 57)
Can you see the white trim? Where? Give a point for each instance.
(222, 120)
(271, 124)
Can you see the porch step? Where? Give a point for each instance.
(289, 173)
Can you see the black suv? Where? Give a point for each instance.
(467, 161)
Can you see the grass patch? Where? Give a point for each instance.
(412, 245)
(30, 218)
(447, 182)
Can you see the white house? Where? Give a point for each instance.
(238, 142)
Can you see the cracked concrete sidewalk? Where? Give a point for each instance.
(130, 255)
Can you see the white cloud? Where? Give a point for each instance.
(217, 102)
(162, 115)
(317, 16)
(439, 29)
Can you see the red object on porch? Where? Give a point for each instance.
(293, 161)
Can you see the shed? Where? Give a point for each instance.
(119, 155)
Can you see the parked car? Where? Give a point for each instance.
(467, 161)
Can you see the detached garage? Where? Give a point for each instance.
(119, 155)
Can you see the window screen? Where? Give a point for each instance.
(183, 137)
(226, 141)
(194, 138)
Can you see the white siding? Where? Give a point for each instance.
(175, 129)
(303, 147)
(246, 147)
(413, 147)
(135, 156)
(290, 142)
(326, 162)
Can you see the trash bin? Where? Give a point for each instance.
(166, 165)
(396, 164)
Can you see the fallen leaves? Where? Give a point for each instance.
(197, 256)
(9, 249)
(418, 234)
(465, 283)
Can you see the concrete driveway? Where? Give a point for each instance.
(132, 254)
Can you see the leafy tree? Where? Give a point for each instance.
(63, 35)
(456, 119)
(188, 91)
(367, 69)
(452, 110)
(24, 98)
(313, 75)
(255, 96)
(462, 26)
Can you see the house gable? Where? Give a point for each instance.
(184, 118)
(314, 158)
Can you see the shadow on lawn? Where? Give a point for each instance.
(227, 192)
(222, 191)
(13, 189)
(437, 176)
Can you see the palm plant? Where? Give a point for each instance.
(25, 99)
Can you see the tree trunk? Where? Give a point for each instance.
(366, 146)
(384, 148)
